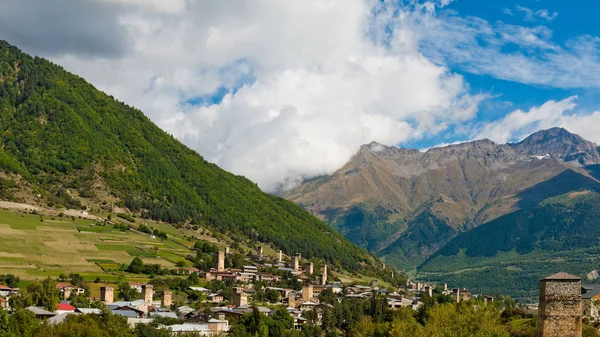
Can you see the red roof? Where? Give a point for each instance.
(2, 286)
(62, 285)
(65, 307)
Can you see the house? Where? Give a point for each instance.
(41, 313)
(200, 289)
(215, 298)
(136, 285)
(138, 305)
(4, 304)
(64, 308)
(60, 317)
(250, 269)
(89, 311)
(185, 328)
(164, 314)
(590, 298)
(5, 291)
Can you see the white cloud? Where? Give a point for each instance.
(313, 80)
(531, 15)
(519, 124)
(511, 52)
(544, 14)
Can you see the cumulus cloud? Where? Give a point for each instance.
(83, 27)
(280, 91)
(519, 124)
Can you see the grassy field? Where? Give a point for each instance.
(35, 246)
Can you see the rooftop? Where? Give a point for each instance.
(562, 276)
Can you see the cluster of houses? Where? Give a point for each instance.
(215, 320)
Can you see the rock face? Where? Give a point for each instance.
(404, 204)
(560, 312)
(560, 144)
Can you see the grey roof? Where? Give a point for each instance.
(589, 291)
(60, 317)
(163, 314)
(188, 327)
(125, 313)
(89, 311)
(562, 276)
(40, 311)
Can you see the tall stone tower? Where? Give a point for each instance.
(324, 275)
(167, 299)
(309, 268)
(107, 295)
(560, 312)
(221, 261)
(280, 253)
(147, 293)
(239, 297)
(296, 262)
(292, 299)
(260, 251)
(307, 292)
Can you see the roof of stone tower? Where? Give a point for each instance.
(562, 276)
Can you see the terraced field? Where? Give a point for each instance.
(35, 246)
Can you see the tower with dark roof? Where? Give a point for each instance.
(560, 310)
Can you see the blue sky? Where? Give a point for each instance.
(567, 20)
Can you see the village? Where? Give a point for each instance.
(218, 311)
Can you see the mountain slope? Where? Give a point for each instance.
(404, 204)
(511, 253)
(66, 144)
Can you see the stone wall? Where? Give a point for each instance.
(560, 310)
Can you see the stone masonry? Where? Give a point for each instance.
(560, 312)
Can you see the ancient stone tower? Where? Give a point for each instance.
(106, 295)
(221, 261)
(560, 310)
(167, 299)
(309, 268)
(324, 275)
(296, 262)
(147, 293)
(239, 297)
(307, 292)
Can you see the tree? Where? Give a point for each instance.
(126, 292)
(42, 294)
(272, 296)
(136, 266)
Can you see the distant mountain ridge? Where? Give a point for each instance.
(404, 204)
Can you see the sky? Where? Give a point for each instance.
(281, 91)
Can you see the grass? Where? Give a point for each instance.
(35, 247)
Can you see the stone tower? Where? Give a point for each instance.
(67, 292)
(309, 268)
(147, 293)
(221, 261)
(428, 290)
(307, 292)
(107, 295)
(560, 312)
(296, 262)
(239, 297)
(260, 250)
(292, 299)
(280, 253)
(167, 299)
(324, 275)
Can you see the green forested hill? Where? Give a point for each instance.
(511, 253)
(62, 138)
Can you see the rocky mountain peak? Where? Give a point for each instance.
(560, 144)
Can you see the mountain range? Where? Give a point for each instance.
(65, 144)
(405, 205)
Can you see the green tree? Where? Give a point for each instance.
(136, 266)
